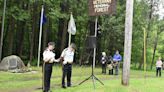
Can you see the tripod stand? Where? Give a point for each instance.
(93, 77)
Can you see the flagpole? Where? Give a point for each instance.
(2, 30)
(69, 43)
(70, 34)
(40, 34)
(94, 53)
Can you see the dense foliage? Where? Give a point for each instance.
(22, 29)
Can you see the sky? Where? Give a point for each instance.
(161, 9)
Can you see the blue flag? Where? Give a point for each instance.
(44, 20)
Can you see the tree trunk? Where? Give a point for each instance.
(44, 39)
(32, 34)
(142, 59)
(128, 42)
(20, 36)
(64, 36)
(154, 51)
(21, 26)
(63, 26)
(22, 43)
(10, 37)
(147, 36)
(59, 37)
(45, 33)
(150, 22)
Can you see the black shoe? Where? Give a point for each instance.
(64, 87)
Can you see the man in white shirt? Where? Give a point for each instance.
(158, 67)
(67, 57)
(49, 59)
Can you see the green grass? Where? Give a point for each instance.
(30, 82)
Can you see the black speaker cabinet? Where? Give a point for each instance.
(91, 42)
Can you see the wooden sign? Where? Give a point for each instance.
(100, 7)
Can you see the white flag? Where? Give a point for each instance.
(71, 25)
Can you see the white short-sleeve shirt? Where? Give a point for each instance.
(159, 63)
(47, 55)
(68, 55)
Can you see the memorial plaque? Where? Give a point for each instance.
(12, 64)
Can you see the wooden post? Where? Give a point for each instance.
(128, 42)
(145, 51)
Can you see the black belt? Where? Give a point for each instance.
(68, 64)
(48, 63)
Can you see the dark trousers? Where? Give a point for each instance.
(116, 67)
(111, 72)
(103, 68)
(67, 72)
(47, 71)
(158, 71)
